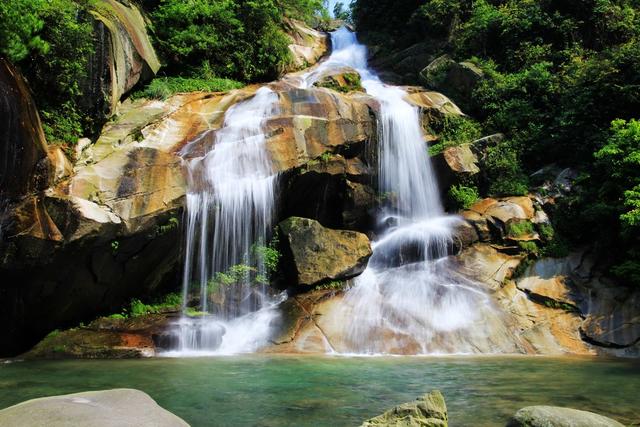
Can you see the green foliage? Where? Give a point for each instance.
(529, 247)
(268, 255)
(138, 308)
(20, 25)
(234, 39)
(454, 130)
(546, 231)
(335, 285)
(51, 41)
(504, 170)
(463, 197)
(556, 248)
(520, 228)
(172, 224)
(115, 245)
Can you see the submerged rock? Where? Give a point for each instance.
(318, 254)
(428, 411)
(554, 416)
(109, 408)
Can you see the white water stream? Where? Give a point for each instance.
(410, 299)
(230, 207)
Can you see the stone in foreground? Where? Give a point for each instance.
(317, 254)
(110, 408)
(553, 416)
(427, 411)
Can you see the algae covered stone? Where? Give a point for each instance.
(429, 410)
(317, 254)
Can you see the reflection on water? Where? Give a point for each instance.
(337, 391)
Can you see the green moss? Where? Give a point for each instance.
(520, 228)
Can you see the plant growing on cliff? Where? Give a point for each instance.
(454, 130)
(463, 197)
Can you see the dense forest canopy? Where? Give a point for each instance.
(563, 84)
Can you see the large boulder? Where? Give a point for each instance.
(428, 411)
(317, 254)
(456, 80)
(124, 56)
(454, 165)
(554, 416)
(114, 337)
(109, 408)
(343, 79)
(307, 45)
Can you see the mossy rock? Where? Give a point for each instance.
(344, 80)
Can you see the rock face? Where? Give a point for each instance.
(455, 164)
(109, 408)
(319, 254)
(307, 45)
(124, 55)
(428, 411)
(553, 416)
(24, 163)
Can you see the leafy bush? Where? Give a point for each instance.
(463, 197)
(454, 130)
(504, 171)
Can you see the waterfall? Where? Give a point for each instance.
(410, 299)
(230, 208)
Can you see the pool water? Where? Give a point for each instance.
(268, 391)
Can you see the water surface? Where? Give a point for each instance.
(261, 390)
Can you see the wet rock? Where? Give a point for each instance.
(343, 80)
(455, 164)
(334, 191)
(109, 408)
(312, 122)
(317, 254)
(307, 45)
(106, 338)
(428, 411)
(554, 416)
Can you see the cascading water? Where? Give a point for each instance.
(410, 299)
(230, 207)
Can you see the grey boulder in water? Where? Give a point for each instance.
(110, 408)
(553, 416)
(427, 411)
